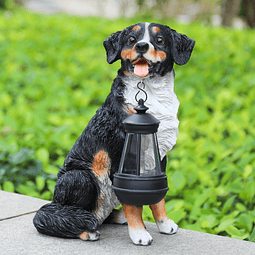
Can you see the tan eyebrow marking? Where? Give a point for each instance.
(136, 28)
(156, 29)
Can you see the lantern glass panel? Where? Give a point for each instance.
(142, 156)
(150, 159)
(130, 159)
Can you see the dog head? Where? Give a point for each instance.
(148, 48)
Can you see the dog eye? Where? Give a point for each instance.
(160, 40)
(132, 40)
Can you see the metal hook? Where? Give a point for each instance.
(141, 89)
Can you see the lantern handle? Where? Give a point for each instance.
(141, 89)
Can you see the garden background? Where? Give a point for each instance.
(54, 75)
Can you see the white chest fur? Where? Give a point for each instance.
(162, 102)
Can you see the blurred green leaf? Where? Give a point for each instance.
(8, 186)
(51, 185)
(252, 237)
(43, 155)
(40, 183)
(228, 204)
(176, 216)
(245, 222)
(26, 190)
(178, 180)
(225, 225)
(20, 157)
(233, 231)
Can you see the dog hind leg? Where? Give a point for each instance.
(164, 224)
(70, 213)
(136, 227)
(116, 217)
(87, 236)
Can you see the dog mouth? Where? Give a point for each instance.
(141, 67)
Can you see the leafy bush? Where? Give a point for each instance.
(22, 173)
(54, 76)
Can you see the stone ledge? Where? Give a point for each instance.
(18, 236)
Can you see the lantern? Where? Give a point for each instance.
(139, 180)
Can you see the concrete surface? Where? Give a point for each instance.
(99, 8)
(18, 236)
(15, 205)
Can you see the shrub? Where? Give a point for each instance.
(22, 173)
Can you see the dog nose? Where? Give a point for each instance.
(142, 47)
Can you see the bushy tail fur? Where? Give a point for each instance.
(64, 220)
(75, 198)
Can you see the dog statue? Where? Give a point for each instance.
(83, 198)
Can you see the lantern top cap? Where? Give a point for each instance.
(141, 122)
(141, 108)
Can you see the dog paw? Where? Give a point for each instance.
(167, 226)
(140, 236)
(86, 236)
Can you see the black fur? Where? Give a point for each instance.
(76, 192)
(66, 221)
(77, 189)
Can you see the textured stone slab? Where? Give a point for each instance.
(18, 236)
(12, 205)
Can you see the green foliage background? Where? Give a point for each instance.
(54, 75)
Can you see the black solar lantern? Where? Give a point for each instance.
(139, 180)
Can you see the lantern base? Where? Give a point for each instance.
(140, 190)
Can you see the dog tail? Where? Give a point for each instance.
(70, 214)
(66, 221)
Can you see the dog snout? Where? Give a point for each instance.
(142, 47)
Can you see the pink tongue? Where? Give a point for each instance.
(141, 70)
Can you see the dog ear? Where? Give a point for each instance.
(182, 47)
(113, 47)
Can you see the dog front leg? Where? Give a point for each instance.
(164, 224)
(136, 227)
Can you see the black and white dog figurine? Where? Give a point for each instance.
(83, 198)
